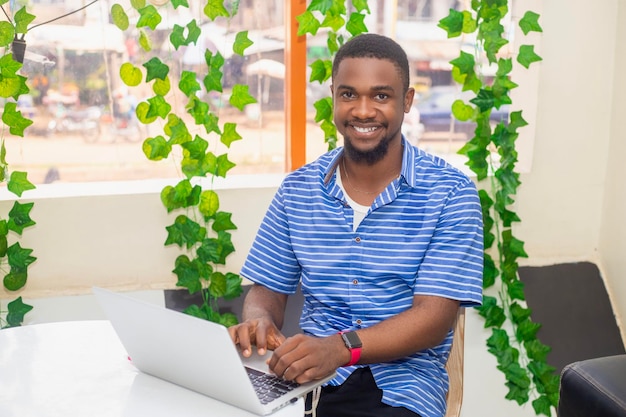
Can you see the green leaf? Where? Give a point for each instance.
(190, 273)
(490, 271)
(19, 217)
(215, 8)
(156, 69)
(230, 134)
(519, 313)
(233, 286)
(22, 19)
(530, 23)
(322, 6)
(452, 24)
(177, 3)
(156, 148)
(335, 22)
(216, 250)
(240, 97)
(184, 232)
(177, 129)
(177, 36)
(492, 312)
(321, 70)
(465, 63)
(144, 40)
(195, 148)
(356, 24)
(130, 74)
(527, 330)
(242, 42)
(323, 109)
(228, 319)
(119, 17)
(223, 165)
(18, 183)
(138, 4)
(542, 405)
(180, 196)
(199, 167)
(209, 204)
(161, 86)
(223, 222)
(149, 17)
(14, 119)
(7, 33)
(15, 279)
(307, 23)
(536, 350)
(159, 107)
(142, 113)
(16, 310)
(527, 55)
(188, 83)
(462, 111)
(19, 258)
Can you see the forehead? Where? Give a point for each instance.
(373, 71)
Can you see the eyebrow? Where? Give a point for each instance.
(374, 88)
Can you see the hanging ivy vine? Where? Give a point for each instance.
(492, 155)
(200, 229)
(14, 259)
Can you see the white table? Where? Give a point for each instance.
(80, 368)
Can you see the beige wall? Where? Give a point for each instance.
(612, 247)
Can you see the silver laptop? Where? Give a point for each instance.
(195, 354)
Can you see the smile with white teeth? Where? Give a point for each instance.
(364, 129)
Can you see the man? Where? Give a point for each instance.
(386, 242)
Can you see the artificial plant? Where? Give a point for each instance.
(200, 229)
(492, 156)
(14, 259)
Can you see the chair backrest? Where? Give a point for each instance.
(455, 367)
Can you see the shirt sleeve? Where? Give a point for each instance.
(271, 261)
(453, 264)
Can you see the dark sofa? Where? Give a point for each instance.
(594, 388)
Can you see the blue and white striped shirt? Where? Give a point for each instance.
(422, 235)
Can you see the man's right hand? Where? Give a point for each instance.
(261, 332)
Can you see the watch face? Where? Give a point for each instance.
(351, 339)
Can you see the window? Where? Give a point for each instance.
(83, 126)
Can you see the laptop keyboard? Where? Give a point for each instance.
(269, 387)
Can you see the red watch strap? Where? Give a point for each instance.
(355, 355)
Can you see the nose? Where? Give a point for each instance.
(364, 108)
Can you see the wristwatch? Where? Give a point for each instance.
(353, 343)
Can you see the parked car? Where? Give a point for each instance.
(435, 109)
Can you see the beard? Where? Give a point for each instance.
(369, 157)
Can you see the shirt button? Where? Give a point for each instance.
(355, 281)
(359, 321)
(357, 239)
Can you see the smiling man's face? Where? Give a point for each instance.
(369, 105)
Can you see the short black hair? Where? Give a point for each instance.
(371, 45)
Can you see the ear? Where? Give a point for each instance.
(408, 99)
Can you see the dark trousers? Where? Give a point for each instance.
(358, 396)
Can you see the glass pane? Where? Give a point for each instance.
(84, 124)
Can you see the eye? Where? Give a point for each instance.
(381, 96)
(348, 94)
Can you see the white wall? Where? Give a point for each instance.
(612, 247)
(572, 202)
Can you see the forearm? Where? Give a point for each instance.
(421, 327)
(261, 302)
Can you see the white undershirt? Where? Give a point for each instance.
(360, 211)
